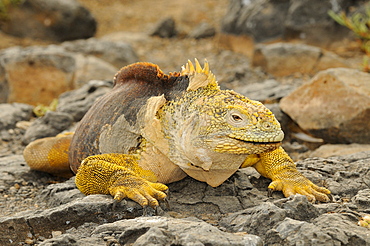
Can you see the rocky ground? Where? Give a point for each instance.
(41, 209)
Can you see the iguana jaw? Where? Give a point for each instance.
(257, 142)
(268, 144)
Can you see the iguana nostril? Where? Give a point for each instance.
(267, 125)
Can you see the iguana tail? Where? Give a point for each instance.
(50, 155)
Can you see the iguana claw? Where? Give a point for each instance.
(143, 192)
(300, 185)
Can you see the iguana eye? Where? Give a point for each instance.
(236, 118)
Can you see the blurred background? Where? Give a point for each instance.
(307, 60)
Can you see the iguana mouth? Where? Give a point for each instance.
(256, 143)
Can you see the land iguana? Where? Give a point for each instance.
(152, 129)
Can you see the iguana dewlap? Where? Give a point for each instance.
(154, 128)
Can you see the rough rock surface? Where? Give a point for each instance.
(334, 105)
(268, 91)
(155, 231)
(165, 28)
(12, 113)
(239, 211)
(72, 106)
(77, 102)
(118, 54)
(47, 126)
(268, 19)
(35, 67)
(259, 19)
(203, 30)
(309, 20)
(282, 59)
(57, 20)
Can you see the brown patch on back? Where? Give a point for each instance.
(133, 86)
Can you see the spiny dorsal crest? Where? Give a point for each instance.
(198, 76)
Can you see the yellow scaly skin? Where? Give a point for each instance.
(120, 176)
(206, 133)
(280, 168)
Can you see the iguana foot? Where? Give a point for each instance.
(144, 192)
(280, 168)
(300, 185)
(120, 176)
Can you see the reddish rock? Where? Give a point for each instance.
(282, 59)
(334, 105)
(37, 75)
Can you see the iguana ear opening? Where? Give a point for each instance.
(198, 76)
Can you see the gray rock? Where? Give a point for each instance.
(319, 108)
(87, 220)
(73, 240)
(292, 220)
(259, 19)
(78, 102)
(242, 74)
(203, 30)
(118, 54)
(362, 200)
(65, 239)
(256, 220)
(93, 208)
(60, 193)
(344, 176)
(328, 229)
(309, 20)
(268, 91)
(300, 209)
(91, 68)
(170, 231)
(186, 196)
(10, 114)
(165, 28)
(12, 168)
(268, 19)
(49, 125)
(78, 236)
(57, 20)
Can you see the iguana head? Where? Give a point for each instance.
(230, 121)
(238, 125)
(212, 131)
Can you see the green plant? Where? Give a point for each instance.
(360, 24)
(40, 110)
(4, 6)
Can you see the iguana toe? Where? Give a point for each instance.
(300, 185)
(143, 192)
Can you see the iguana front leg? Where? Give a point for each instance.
(122, 177)
(280, 168)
